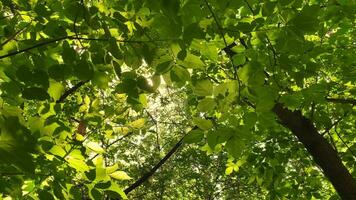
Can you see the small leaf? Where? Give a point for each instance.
(58, 151)
(203, 124)
(101, 79)
(95, 147)
(55, 90)
(114, 187)
(179, 74)
(229, 170)
(138, 123)
(84, 70)
(112, 168)
(120, 175)
(163, 67)
(117, 69)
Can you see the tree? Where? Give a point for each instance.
(100, 99)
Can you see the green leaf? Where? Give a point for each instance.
(163, 67)
(55, 90)
(35, 93)
(120, 175)
(112, 168)
(100, 174)
(203, 88)
(307, 20)
(68, 54)
(252, 74)
(206, 105)
(59, 72)
(239, 59)
(114, 49)
(95, 147)
(194, 136)
(77, 164)
(101, 79)
(139, 123)
(235, 146)
(179, 74)
(143, 84)
(114, 187)
(16, 144)
(203, 124)
(84, 70)
(229, 170)
(117, 69)
(58, 151)
(193, 61)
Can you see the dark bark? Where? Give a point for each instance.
(146, 176)
(70, 91)
(338, 100)
(322, 152)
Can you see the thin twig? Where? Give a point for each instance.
(73, 37)
(249, 7)
(13, 36)
(338, 135)
(114, 142)
(220, 29)
(156, 125)
(334, 124)
(146, 176)
(71, 91)
(341, 100)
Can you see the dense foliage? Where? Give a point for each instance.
(177, 99)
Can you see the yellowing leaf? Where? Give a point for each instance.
(131, 26)
(121, 130)
(120, 175)
(229, 170)
(57, 150)
(77, 164)
(79, 137)
(112, 168)
(55, 90)
(95, 147)
(138, 123)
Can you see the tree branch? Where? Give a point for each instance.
(73, 37)
(322, 152)
(15, 34)
(341, 100)
(33, 47)
(70, 91)
(347, 146)
(220, 29)
(146, 176)
(114, 142)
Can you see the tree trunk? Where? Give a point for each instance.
(322, 152)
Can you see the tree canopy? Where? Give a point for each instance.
(177, 99)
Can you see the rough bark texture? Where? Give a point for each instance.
(322, 152)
